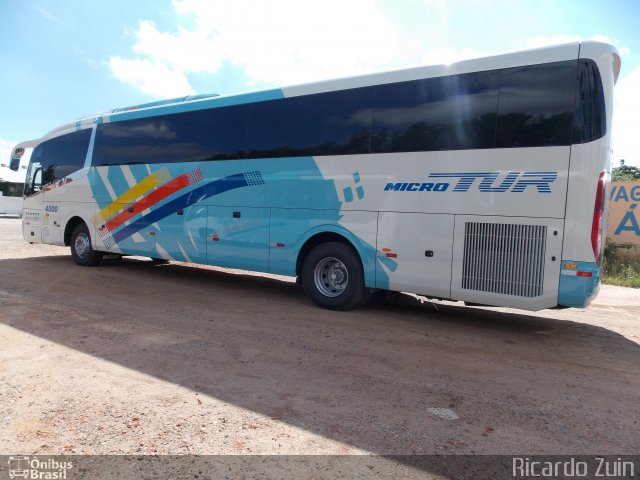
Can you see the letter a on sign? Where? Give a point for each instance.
(629, 223)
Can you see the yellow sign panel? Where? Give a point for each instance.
(624, 212)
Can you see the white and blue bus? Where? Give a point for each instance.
(482, 181)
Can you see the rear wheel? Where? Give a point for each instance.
(333, 278)
(81, 249)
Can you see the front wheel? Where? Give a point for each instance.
(81, 249)
(333, 278)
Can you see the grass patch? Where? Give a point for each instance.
(620, 269)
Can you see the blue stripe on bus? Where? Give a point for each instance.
(575, 291)
(140, 172)
(99, 189)
(197, 194)
(117, 179)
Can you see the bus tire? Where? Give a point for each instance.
(81, 250)
(333, 277)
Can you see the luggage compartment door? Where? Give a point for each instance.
(414, 253)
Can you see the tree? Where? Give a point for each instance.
(625, 172)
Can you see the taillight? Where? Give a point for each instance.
(597, 226)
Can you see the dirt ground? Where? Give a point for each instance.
(133, 357)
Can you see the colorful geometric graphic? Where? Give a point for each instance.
(125, 216)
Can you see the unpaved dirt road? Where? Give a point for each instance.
(133, 357)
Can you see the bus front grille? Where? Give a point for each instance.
(504, 258)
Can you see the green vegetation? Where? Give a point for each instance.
(619, 269)
(625, 173)
(623, 270)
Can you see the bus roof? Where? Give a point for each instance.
(199, 102)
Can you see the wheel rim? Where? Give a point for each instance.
(331, 277)
(82, 245)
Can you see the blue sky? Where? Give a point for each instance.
(66, 59)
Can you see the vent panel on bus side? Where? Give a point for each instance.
(504, 258)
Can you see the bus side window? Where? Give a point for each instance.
(330, 123)
(36, 184)
(443, 113)
(200, 135)
(590, 118)
(34, 176)
(63, 155)
(536, 105)
(56, 158)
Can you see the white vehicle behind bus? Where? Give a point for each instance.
(12, 180)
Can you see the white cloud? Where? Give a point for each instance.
(281, 43)
(626, 141)
(289, 42)
(152, 76)
(186, 51)
(303, 41)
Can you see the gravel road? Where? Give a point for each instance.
(134, 357)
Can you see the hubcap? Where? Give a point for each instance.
(82, 245)
(331, 277)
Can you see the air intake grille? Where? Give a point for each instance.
(504, 258)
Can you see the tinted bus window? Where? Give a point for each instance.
(536, 105)
(590, 119)
(446, 113)
(61, 156)
(333, 123)
(213, 134)
(530, 106)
